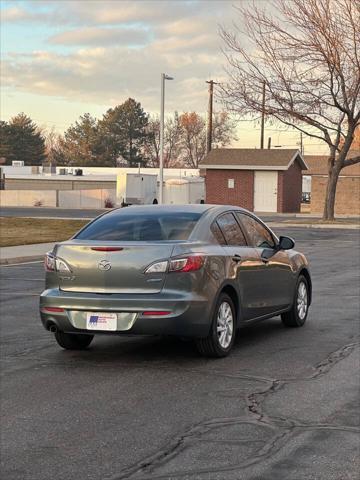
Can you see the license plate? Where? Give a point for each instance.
(101, 321)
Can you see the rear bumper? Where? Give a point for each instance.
(190, 313)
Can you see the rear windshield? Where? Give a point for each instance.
(143, 227)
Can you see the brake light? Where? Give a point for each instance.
(52, 309)
(158, 313)
(107, 249)
(187, 264)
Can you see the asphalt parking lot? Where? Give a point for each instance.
(283, 406)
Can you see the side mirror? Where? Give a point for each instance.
(286, 243)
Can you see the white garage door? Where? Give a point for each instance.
(265, 191)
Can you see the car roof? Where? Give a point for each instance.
(191, 208)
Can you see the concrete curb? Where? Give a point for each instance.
(86, 219)
(327, 226)
(13, 261)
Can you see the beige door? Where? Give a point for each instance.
(265, 191)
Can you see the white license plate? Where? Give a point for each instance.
(101, 321)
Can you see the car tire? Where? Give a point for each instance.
(296, 317)
(222, 332)
(73, 341)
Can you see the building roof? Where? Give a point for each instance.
(318, 165)
(251, 159)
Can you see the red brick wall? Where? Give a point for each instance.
(347, 200)
(217, 191)
(289, 189)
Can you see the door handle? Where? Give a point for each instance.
(236, 258)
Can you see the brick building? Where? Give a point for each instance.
(347, 200)
(259, 180)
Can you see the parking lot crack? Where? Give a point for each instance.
(284, 427)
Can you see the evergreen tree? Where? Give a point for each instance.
(5, 141)
(80, 144)
(21, 140)
(123, 132)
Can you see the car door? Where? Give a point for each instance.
(275, 279)
(241, 261)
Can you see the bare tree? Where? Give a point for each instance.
(224, 129)
(193, 138)
(307, 53)
(193, 135)
(185, 138)
(52, 145)
(172, 131)
(152, 143)
(172, 135)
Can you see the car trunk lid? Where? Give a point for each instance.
(109, 268)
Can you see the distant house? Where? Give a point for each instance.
(259, 180)
(348, 188)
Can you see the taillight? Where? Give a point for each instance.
(158, 267)
(49, 262)
(61, 265)
(187, 264)
(52, 264)
(184, 264)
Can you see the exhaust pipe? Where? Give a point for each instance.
(53, 328)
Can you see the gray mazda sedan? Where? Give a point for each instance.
(197, 271)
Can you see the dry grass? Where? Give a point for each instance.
(24, 231)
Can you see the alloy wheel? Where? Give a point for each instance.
(302, 300)
(225, 325)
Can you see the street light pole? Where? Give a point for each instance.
(162, 121)
(262, 117)
(210, 115)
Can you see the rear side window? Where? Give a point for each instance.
(259, 236)
(231, 230)
(130, 226)
(218, 234)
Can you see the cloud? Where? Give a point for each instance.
(118, 49)
(101, 36)
(110, 12)
(108, 76)
(14, 14)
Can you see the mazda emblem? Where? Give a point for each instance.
(104, 265)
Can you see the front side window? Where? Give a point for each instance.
(259, 236)
(231, 230)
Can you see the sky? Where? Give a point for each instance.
(62, 58)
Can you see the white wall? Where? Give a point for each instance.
(86, 198)
(66, 198)
(10, 170)
(27, 198)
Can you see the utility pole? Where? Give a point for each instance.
(210, 115)
(269, 143)
(262, 117)
(162, 121)
(301, 144)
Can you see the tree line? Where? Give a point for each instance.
(125, 136)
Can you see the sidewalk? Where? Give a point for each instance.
(24, 253)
